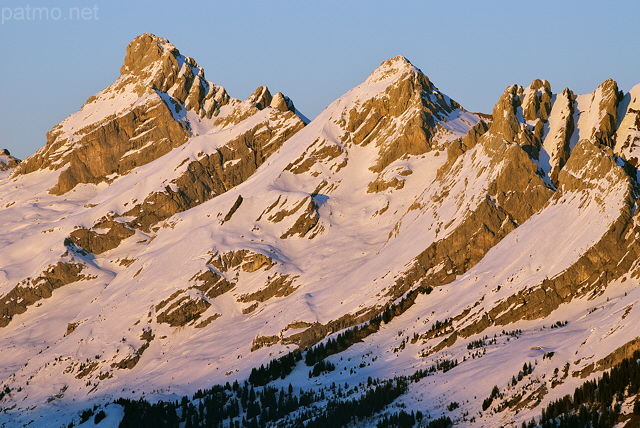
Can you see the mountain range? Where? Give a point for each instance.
(169, 238)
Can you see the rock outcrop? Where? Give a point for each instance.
(627, 137)
(7, 161)
(30, 291)
(557, 144)
(93, 241)
(186, 306)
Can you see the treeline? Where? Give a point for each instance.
(441, 365)
(281, 367)
(321, 367)
(402, 419)
(342, 412)
(276, 369)
(486, 403)
(527, 369)
(246, 406)
(592, 403)
(255, 404)
(481, 343)
(333, 346)
(355, 334)
(138, 413)
(237, 405)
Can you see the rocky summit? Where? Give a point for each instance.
(174, 256)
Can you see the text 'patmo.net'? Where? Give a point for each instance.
(28, 14)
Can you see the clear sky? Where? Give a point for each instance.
(313, 51)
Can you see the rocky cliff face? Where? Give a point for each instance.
(627, 135)
(170, 228)
(412, 99)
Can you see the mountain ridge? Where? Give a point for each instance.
(235, 223)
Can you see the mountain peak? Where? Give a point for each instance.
(397, 60)
(608, 83)
(145, 50)
(396, 66)
(261, 97)
(399, 107)
(152, 62)
(159, 101)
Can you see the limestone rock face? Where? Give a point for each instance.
(548, 126)
(204, 178)
(282, 103)
(605, 100)
(182, 311)
(509, 122)
(133, 121)
(117, 146)
(514, 194)
(627, 137)
(537, 101)
(396, 112)
(505, 123)
(30, 291)
(575, 145)
(186, 306)
(411, 98)
(557, 144)
(594, 172)
(97, 243)
(153, 63)
(215, 173)
(261, 97)
(588, 165)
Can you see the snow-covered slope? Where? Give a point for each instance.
(204, 236)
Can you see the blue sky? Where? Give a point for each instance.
(313, 51)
